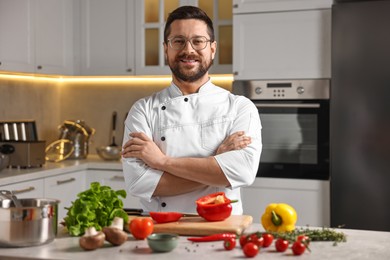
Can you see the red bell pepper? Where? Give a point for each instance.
(165, 217)
(214, 207)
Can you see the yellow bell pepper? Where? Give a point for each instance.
(279, 218)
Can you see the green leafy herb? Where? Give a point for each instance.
(95, 207)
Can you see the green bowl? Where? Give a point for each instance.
(162, 242)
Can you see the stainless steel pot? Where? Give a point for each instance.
(32, 223)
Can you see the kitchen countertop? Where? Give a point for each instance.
(360, 245)
(14, 175)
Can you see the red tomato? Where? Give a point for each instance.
(304, 239)
(140, 228)
(259, 241)
(298, 248)
(281, 245)
(229, 243)
(250, 249)
(243, 240)
(165, 217)
(268, 238)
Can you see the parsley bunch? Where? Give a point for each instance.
(95, 207)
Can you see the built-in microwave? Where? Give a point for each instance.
(295, 126)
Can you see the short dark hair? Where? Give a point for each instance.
(188, 12)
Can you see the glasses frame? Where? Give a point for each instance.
(187, 40)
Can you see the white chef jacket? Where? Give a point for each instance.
(193, 126)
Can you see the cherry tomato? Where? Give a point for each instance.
(140, 228)
(268, 238)
(165, 217)
(304, 239)
(243, 240)
(298, 248)
(259, 241)
(250, 249)
(229, 243)
(281, 245)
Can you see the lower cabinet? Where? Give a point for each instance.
(310, 198)
(26, 189)
(114, 179)
(65, 188)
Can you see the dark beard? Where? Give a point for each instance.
(202, 70)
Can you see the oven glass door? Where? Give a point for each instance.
(295, 138)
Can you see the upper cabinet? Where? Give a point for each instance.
(282, 44)
(107, 37)
(150, 20)
(37, 36)
(251, 6)
(99, 37)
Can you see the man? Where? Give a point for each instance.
(192, 138)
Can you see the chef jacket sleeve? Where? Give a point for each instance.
(141, 180)
(240, 166)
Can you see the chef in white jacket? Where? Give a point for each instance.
(192, 138)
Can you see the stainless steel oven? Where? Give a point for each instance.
(295, 119)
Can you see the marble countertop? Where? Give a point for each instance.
(13, 175)
(360, 245)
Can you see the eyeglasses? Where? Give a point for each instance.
(179, 42)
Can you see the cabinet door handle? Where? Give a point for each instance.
(118, 177)
(31, 188)
(65, 181)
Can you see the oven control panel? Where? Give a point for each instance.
(283, 89)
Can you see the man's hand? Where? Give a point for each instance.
(142, 147)
(236, 141)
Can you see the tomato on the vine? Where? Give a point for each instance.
(281, 245)
(229, 243)
(298, 248)
(243, 240)
(304, 239)
(140, 228)
(268, 238)
(254, 238)
(250, 249)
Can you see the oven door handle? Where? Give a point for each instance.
(283, 105)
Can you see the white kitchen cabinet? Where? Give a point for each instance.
(310, 198)
(252, 6)
(65, 188)
(114, 179)
(282, 45)
(26, 189)
(36, 36)
(150, 18)
(107, 37)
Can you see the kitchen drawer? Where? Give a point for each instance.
(310, 198)
(65, 188)
(26, 189)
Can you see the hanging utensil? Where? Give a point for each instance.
(114, 115)
(112, 151)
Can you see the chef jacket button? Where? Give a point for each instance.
(163, 204)
(185, 99)
(163, 138)
(163, 107)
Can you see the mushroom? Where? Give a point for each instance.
(114, 233)
(92, 239)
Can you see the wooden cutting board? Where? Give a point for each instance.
(197, 226)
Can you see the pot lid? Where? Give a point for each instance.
(59, 150)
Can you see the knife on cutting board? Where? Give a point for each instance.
(141, 212)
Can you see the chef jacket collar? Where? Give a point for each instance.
(174, 91)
